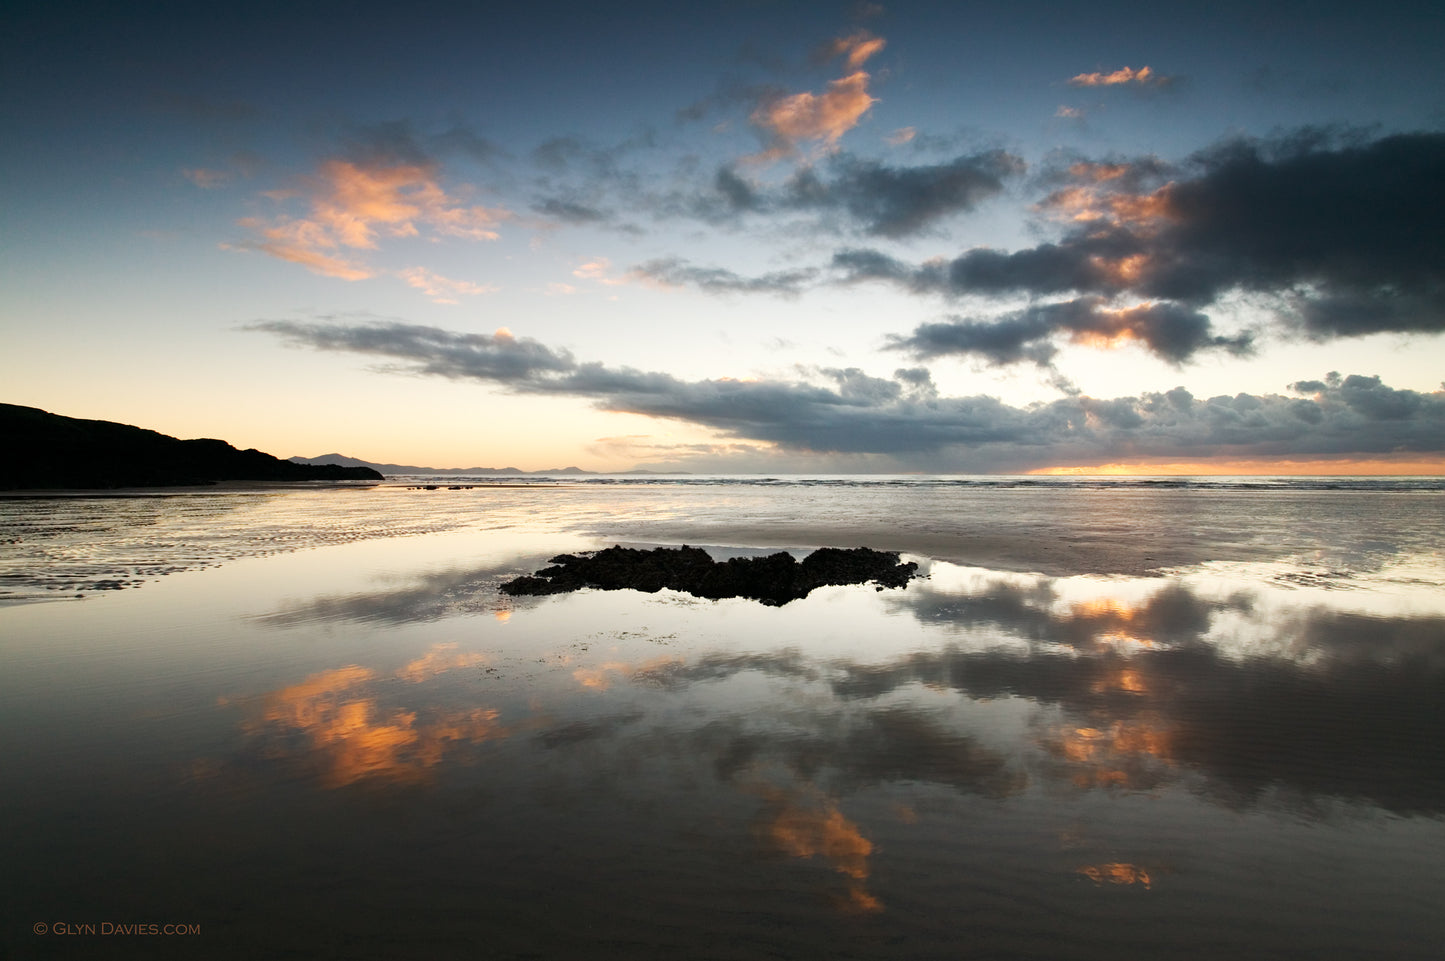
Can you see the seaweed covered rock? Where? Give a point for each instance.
(774, 580)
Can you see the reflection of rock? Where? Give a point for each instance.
(775, 579)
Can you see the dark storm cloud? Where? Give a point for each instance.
(1344, 234)
(848, 411)
(1171, 331)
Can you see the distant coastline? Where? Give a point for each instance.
(411, 470)
(51, 452)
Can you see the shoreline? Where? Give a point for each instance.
(220, 487)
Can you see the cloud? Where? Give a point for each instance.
(878, 199)
(598, 269)
(900, 201)
(570, 212)
(675, 272)
(301, 242)
(787, 121)
(901, 136)
(468, 143)
(442, 290)
(847, 411)
(499, 357)
(855, 49)
(398, 142)
(353, 204)
(206, 179)
(1339, 235)
(812, 118)
(1124, 76)
(642, 447)
(1170, 331)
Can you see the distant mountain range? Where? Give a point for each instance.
(407, 469)
(447, 471)
(46, 451)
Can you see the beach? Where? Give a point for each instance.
(1185, 720)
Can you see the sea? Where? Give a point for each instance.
(1164, 718)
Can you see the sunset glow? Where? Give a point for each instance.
(1225, 468)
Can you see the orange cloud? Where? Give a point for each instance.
(1144, 77)
(1097, 172)
(598, 270)
(901, 136)
(808, 117)
(352, 205)
(298, 242)
(442, 290)
(820, 118)
(856, 49)
(1097, 199)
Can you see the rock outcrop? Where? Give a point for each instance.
(774, 580)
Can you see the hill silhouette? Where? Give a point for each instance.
(47, 451)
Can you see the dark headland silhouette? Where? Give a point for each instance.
(46, 451)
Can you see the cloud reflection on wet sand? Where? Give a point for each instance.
(1241, 698)
(802, 822)
(1158, 682)
(333, 722)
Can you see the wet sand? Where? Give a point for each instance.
(320, 715)
(1060, 533)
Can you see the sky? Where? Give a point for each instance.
(740, 236)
